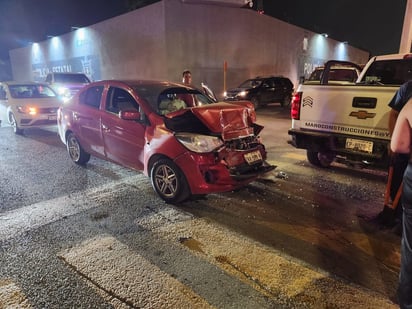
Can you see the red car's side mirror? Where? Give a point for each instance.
(129, 115)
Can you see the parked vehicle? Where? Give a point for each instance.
(262, 90)
(349, 123)
(186, 143)
(338, 74)
(29, 105)
(67, 84)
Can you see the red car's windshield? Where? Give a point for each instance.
(164, 100)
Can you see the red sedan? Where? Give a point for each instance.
(185, 142)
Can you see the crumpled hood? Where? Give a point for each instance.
(230, 120)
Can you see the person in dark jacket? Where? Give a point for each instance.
(401, 144)
(398, 161)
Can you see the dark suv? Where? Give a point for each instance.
(263, 90)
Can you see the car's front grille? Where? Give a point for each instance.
(249, 142)
(48, 110)
(38, 122)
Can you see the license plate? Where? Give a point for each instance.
(359, 145)
(52, 117)
(253, 157)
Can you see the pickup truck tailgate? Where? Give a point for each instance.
(360, 110)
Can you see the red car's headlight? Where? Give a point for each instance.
(199, 143)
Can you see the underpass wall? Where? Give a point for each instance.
(159, 41)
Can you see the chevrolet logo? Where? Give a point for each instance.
(362, 114)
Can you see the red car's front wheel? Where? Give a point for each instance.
(169, 182)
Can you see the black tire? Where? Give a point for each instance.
(75, 150)
(169, 182)
(286, 101)
(15, 126)
(321, 159)
(255, 101)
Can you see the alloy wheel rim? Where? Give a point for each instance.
(74, 149)
(166, 180)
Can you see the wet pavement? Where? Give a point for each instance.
(98, 236)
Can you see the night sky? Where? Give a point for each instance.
(374, 26)
(371, 25)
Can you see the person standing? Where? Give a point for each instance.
(401, 143)
(187, 77)
(398, 161)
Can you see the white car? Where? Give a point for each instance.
(29, 105)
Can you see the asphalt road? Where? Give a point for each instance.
(99, 237)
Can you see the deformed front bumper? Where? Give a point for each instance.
(211, 173)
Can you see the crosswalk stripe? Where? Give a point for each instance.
(266, 269)
(18, 221)
(11, 296)
(128, 277)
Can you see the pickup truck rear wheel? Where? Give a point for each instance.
(321, 159)
(286, 101)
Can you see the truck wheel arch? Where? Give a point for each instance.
(320, 158)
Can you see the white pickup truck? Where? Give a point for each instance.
(349, 123)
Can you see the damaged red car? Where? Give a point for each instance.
(185, 142)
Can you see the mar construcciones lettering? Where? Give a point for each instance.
(335, 128)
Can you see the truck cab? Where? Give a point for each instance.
(66, 84)
(348, 123)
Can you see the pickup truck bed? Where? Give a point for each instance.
(349, 123)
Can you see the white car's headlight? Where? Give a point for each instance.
(27, 110)
(199, 143)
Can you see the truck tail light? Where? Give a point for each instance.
(295, 109)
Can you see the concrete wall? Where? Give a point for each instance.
(159, 41)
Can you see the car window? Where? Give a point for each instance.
(348, 75)
(159, 97)
(119, 99)
(392, 72)
(71, 78)
(278, 83)
(22, 91)
(176, 98)
(268, 83)
(91, 96)
(251, 83)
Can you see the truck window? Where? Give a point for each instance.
(389, 72)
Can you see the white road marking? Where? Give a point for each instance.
(269, 271)
(11, 296)
(128, 277)
(18, 221)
